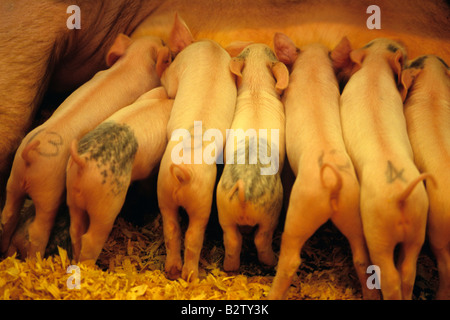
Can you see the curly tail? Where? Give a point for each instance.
(75, 156)
(336, 188)
(26, 151)
(405, 194)
(239, 188)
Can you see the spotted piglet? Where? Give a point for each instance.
(393, 200)
(326, 186)
(124, 148)
(40, 162)
(205, 93)
(250, 192)
(426, 87)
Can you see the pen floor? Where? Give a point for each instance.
(131, 265)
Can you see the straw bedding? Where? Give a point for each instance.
(131, 266)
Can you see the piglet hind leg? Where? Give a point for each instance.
(40, 229)
(10, 214)
(349, 223)
(407, 265)
(93, 240)
(263, 242)
(193, 244)
(301, 223)
(172, 239)
(79, 222)
(382, 255)
(102, 215)
(232, 240)
(442, 255)
(288, 263)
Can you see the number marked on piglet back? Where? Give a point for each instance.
(392, 173)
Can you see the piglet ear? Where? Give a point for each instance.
(163, 60)
(236, 66)
(236, 47)
(406, 80)
(396, 63)
(118, 49)
(357, 57)
(180, 35)
(340, 55)
(281, 74)
(285, 48)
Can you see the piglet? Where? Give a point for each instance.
(427, 113)
(326, 186)
(393, 201)
(246, 194)
(124, 148)
(205, 95)
(40, 162)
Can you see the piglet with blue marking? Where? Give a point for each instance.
(124, 148)
(40, 162)
(250, 193)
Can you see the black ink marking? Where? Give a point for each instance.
(244, 53)
(56, 141)
(443, 62)
(418, 63)
(368, 45)
(51, 137)
(393, 173)
(392, 48)
(341, 167)
(34, 135)
(345, 168)
(113, 147)
(266, 191)
(320, 160)
(270, 54)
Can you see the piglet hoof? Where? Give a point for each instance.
(270, 260)
(443, 294)
(4, 241)
(231, 265)
(373, 294)
(88, 262)
(173, 272)
(189, 274)
(274, 295)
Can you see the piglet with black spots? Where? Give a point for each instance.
(40, 162)
(250, 192)
(426, 87)
(124, 148)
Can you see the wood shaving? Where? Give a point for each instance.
(131, 267)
